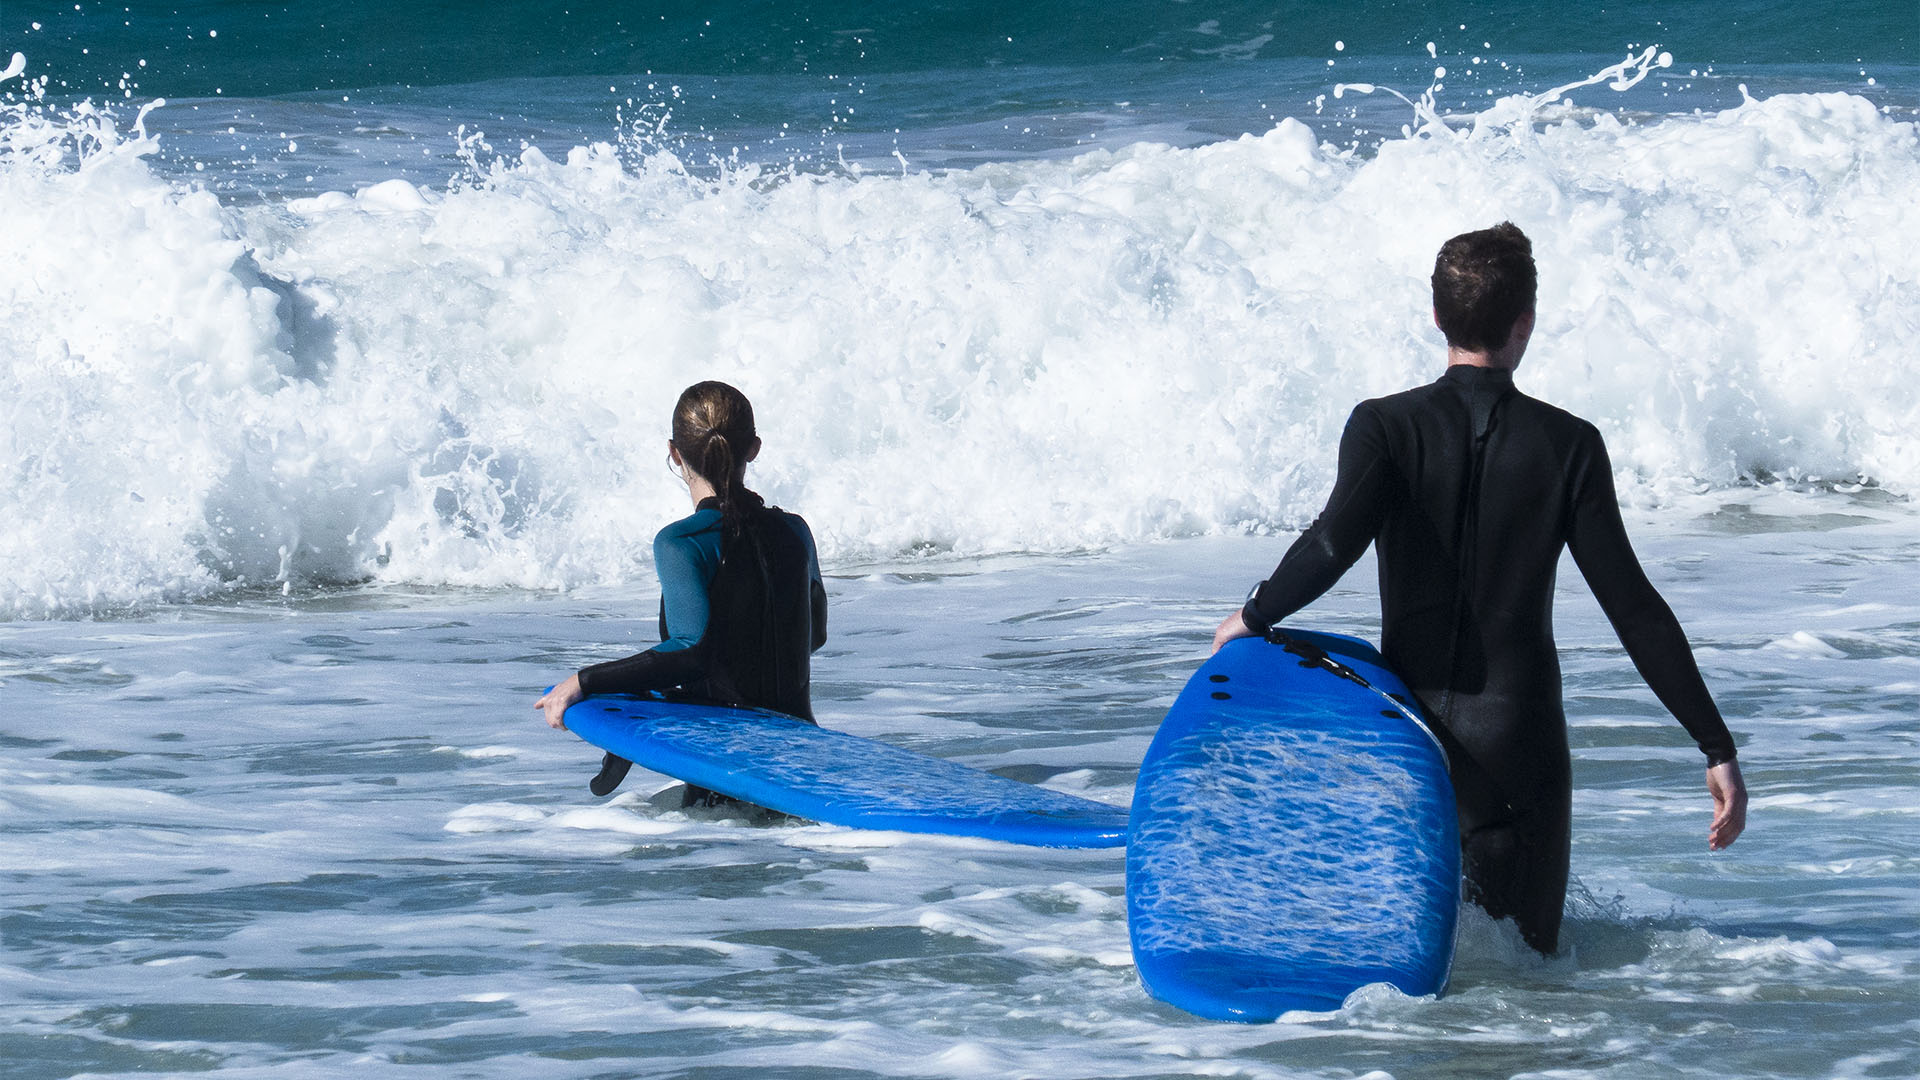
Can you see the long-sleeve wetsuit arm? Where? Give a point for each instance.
(684, 613)
(1640, 616)
(683, 592)
(655, 669)
(1341, 533)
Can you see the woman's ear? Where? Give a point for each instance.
(753, 448)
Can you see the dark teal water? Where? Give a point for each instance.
(944, 85)
(253, 49)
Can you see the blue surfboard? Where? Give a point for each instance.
(1293, 835)
(786, 764)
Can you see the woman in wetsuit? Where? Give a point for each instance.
(742, 607)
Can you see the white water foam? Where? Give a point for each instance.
(470, 386)
(342, 882)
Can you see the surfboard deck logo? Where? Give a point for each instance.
(1293, 835)
(786, 764)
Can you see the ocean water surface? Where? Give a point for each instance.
(336, 347)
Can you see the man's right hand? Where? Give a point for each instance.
(1233, 626)
(1729, 793)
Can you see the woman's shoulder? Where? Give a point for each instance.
(791, 520)
(689, 528)
(798, 526)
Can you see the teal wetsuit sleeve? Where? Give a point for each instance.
(1339, 536)
(686, 567)
(684, 578)
(1597, 538)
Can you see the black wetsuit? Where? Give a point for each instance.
(765, 614)
(1470, 489)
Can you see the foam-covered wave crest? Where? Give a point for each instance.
(470, 386)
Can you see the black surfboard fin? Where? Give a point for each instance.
(613, 769)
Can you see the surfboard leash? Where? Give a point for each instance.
(1313, 656)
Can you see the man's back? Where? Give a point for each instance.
(1480, 492)
(1471, 489)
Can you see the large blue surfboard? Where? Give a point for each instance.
(1293, 835)
(786, 764)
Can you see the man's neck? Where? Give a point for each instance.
(1457, 357)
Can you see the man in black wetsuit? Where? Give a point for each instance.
(1470, 489)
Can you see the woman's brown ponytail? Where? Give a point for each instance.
(713, 429)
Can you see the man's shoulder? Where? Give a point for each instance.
(1413, 398)
(1564, 428)
(1408, 402)
(1410, 397)
(1556, 418)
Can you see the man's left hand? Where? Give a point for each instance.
(1729, 793)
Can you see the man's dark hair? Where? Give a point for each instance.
(1482, 283)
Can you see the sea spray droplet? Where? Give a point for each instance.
(140, 121)
(16, 66)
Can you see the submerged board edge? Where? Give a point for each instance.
(836, 778)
